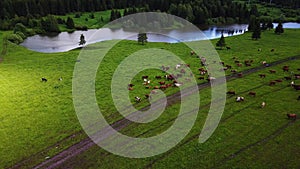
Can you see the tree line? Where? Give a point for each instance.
(196, 11)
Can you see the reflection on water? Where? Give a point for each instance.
(68, 41)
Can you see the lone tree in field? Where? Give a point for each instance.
(221, 43)
(70, 23)
(82, 40)
(257, 30)
(270, 25)
(279, 28)
(142, 38)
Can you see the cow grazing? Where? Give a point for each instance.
(291, 116)
(272, 71)
(162, 83)
(292, 83)
(158, 77)
(240, 74)
(228, 47)
(44, 79)
(239, 64)
(248, 64)
(228, 66)
(297, 87)
(182, 71)
(201, 78)
(278, 80)
(177, 66)
(163, 87)
(272, 83)
(297, 76)
(147, 96)
(233, 71)
(252, 93)
(263, 104)
(262, 75)
(192, 53)
(137, 99)
(145, 77)
(272, 50)
(287, 78)
(130, 88)
(231, 92)
(130, 85)
(177, 84)
(239, 99)
(285, 68)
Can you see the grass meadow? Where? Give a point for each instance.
(38, 120)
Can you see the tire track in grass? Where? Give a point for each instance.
(259, 142)
(222, 121)
(87, 143)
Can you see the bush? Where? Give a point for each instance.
(82, 28)
(298, 19)
(14, 38)
(77, 15)
(20, 28)
(21, 35)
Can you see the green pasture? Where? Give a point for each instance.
(37, 119)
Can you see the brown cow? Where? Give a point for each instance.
(291, 116)
(272, 71)
(240, 74)
(262, 75)
(285, 68)
(231, 92)
(130, 85)
(297, 87)
(287, 78)
(233, 71)
(130, 88)
(252, 93)
(278, 80)
(162, 83)
(272, 83)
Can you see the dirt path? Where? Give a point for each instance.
(85, 144)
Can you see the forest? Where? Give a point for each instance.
(37, 13)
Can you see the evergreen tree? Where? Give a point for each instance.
(70, 23)
(50, 24)
(252, 23)
(279, 28)
(82, 40)
(142, 38)
(257, 30)
(221, 43)
(270, 25)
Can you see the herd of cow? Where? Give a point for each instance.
(172, 80)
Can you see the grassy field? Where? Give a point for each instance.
(35, 116)
(86, 20)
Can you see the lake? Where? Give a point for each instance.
(67, 41)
